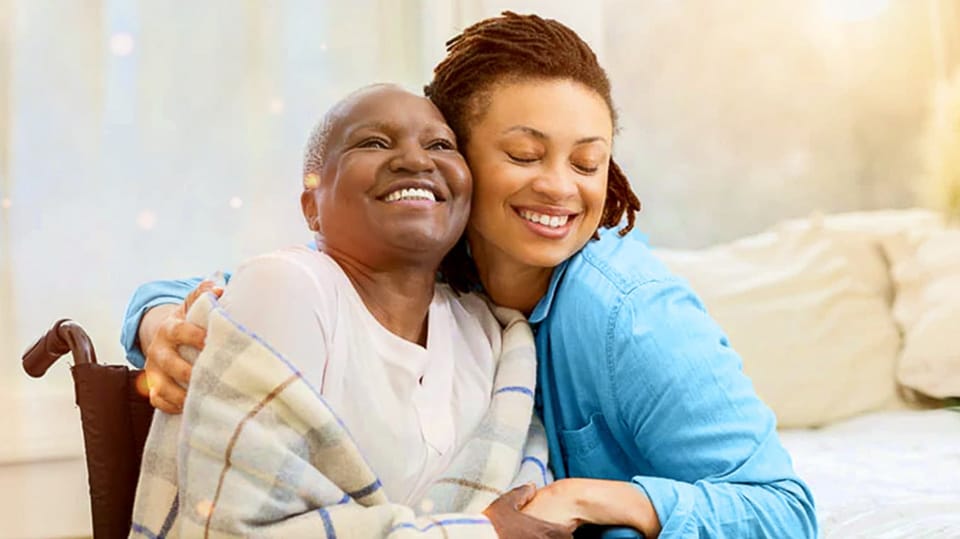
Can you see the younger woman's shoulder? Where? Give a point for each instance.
(624, 262)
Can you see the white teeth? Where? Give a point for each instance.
(552, 221)
(411, 194)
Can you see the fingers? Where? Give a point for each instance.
(163, 356)
(164, 405)
(558, 532)
(194, 294)
(508, 521)
(167, 371)
(181, 332)
(167, 361)
(202, 288)
(165, 394)
(541, 528)
(520, 496)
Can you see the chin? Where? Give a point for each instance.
(424, 241)
(546, 258)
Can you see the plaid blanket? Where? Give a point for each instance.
(258, 452)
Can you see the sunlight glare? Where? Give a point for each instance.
(853, 10)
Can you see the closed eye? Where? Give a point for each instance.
(522, 159)
(442, 144)
(374, 143)
(586, 169)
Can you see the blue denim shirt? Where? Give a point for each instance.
(637, 383)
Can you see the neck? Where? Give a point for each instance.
(510, 283)
(398, 298)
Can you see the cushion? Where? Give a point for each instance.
(870, 231)
(926, 273)
(807, 307)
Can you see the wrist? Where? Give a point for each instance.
(150, 322)
(617, 503)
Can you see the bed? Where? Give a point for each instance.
(883, 475)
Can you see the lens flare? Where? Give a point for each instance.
(853, 10)
(121, 44)
(142, 384)
(205, 508)
(147, 219)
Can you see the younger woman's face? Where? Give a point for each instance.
(539, 154)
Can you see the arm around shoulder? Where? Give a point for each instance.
(144, 299)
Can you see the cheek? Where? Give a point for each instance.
(485, 204)
(595, 191)
(457, 175)
(495, 182)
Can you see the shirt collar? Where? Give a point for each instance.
(542, 309)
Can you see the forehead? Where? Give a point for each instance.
(384, 107)
(557, 106)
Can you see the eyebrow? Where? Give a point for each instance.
(388, 126)
(536, 133)
(374, 125)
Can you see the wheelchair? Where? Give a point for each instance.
(115, 413)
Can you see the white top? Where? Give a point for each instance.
(408, 408)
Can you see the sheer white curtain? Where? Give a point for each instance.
(159, 138)
(144, 139)
(162, 138)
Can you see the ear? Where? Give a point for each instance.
(308, 204)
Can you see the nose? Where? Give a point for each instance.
(556, 183)
(412, 158)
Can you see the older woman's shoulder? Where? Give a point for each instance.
(297, 265)
(472, 305)
(291, 258)
(472, 315)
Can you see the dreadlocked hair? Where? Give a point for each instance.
(514, 48)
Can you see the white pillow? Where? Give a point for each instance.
(807, 310)
(927, 307)
(871, 231)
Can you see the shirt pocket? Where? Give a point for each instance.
(592, 451)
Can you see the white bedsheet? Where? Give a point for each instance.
(884, 475)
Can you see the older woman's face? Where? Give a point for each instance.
(539, 155)
(393, 185)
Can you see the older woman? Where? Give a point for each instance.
(343, 392)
